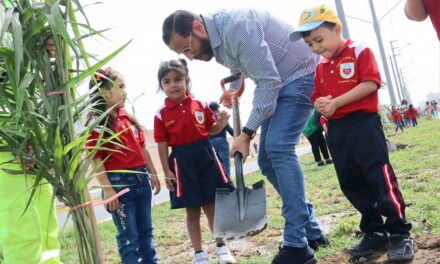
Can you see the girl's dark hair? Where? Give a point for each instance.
(180, 22)
(180, 66)
(326, 24)
(411, 108)
(104, 82)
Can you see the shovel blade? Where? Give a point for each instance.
(227, 223)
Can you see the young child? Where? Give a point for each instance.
(411, 114)
(397, 118)
(131, 212)
(346, 84)
(193, 170)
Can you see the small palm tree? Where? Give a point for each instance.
(40, 106)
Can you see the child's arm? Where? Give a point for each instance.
(170, 178)
(220, 123)
(327, 105)
(106, 185)
(155, 183)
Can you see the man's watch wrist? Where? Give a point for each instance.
(249, 132)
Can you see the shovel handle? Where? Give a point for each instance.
(236, 94)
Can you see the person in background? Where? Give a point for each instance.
(397, 118)
(411, 114)
(313, 133)
(428, 110)
(219, 140)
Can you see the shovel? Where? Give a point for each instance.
(241, 212)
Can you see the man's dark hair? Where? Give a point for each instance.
(180, 22)
(329, 25)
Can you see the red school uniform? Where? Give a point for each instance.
(397, 115)
(131, 138)
(181, 123)
(433, 9)
(338, 75)
(411, 115)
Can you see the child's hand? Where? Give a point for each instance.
(223, 118)
(112, 205)
(155, 184)
(170, 180)
(330, 108)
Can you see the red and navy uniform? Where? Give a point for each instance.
(411, 114)
(195, 163)
(397, 115)
(357, 142)
(134, 141)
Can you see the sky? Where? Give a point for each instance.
(141, 22)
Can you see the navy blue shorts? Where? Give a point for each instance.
(199, 172)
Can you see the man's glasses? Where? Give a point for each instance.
(187, 48)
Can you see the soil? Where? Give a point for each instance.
(266, 245)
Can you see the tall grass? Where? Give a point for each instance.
(40, 105)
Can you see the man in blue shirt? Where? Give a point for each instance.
(257, 45)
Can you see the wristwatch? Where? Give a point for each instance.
(251, 133)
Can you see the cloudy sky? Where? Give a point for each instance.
(142, 21)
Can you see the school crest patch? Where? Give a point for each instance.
(346, 70)
(200, 117)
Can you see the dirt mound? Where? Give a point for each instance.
(428, 252)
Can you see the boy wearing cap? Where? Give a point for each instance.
(346, 83)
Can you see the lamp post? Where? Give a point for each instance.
(134, 100)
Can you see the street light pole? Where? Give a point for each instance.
(382, 53)
(395, 79)
(399, 77)
(134, 100)
(341, 15)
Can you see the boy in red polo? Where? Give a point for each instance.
(346, 83)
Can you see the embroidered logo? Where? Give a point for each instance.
(169, 123)
(346, 70)
(200, 117)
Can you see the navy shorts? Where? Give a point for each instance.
(199, 172)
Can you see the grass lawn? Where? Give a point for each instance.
(417, 166)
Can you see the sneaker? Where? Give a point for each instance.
(328, 161)
(321, 163)
(200, 258)
(322, 241)
(370, 244)
(291, 255)
(401, 248)
(224, 255)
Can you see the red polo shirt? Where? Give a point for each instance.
(338, 75)
(433, 9)
(131, 138)
(185, 122)
(397, 115)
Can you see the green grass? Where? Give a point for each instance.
(417, 168)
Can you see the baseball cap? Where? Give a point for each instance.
(312, 18)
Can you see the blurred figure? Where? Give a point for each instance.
(428, 111)
(411, 115)
(397, 118)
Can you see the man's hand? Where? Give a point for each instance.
(155, 184)
(170, 180)
(241, 144)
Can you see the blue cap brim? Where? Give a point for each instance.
(295, 35)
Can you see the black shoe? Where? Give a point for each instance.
(370, 244)
(328, 161)
(321, 163)
(401, 248)
(291, 255)
(319, 243)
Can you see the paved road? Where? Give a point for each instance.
(102, 214)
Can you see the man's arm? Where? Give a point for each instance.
(415, 10)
